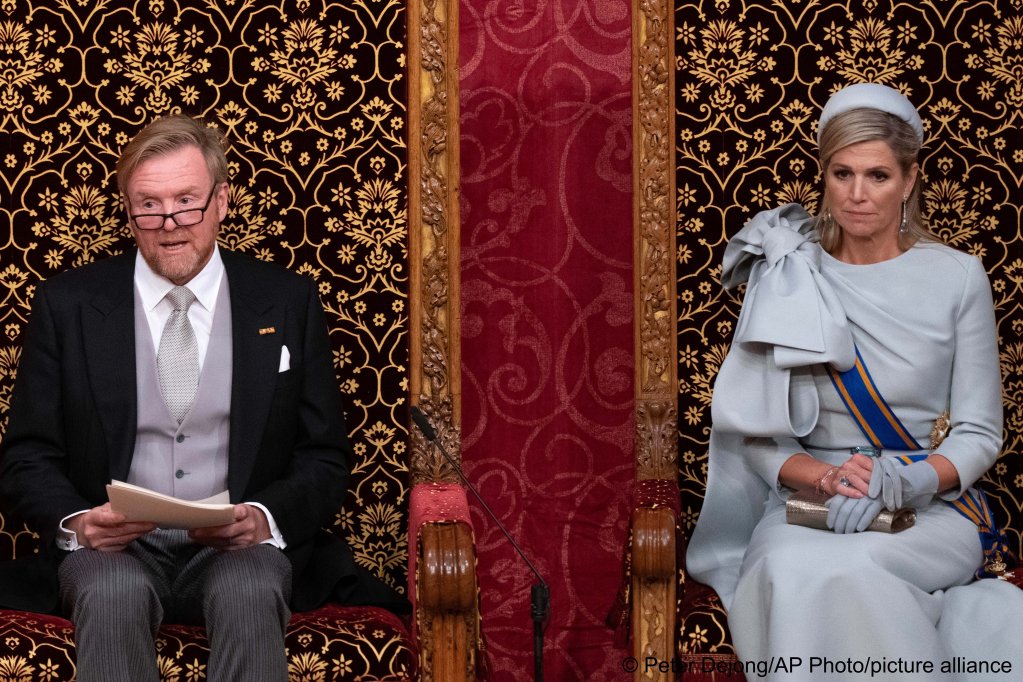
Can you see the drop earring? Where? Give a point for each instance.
(904, 225)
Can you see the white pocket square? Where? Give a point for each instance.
(285, 360)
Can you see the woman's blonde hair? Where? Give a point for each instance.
(867, 125)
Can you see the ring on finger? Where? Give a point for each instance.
(845, 481)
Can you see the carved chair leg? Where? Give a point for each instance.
(447, 602)
(653, 593)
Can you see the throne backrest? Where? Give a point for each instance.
(313, 106)
(748, 90)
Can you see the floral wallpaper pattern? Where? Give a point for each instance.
(311, 97)
(751, 79)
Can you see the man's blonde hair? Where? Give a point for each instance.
(168, 134)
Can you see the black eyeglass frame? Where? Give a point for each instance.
(174, 216)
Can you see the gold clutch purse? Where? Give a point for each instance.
(807, 508)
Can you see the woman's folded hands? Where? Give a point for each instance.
(891, 486)
(853, 507)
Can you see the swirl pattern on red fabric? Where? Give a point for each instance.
(547, 309)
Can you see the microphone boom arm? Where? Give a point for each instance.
(540, 593)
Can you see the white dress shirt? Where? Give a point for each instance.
(152, 289)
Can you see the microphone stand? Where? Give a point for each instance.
(540, 593)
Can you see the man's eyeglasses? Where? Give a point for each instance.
(186, 218)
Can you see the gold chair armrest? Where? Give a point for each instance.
(653, 543)
(447, 569)
(446, 593)
(653, 589)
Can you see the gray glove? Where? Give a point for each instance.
(851, 514)
(911, 485)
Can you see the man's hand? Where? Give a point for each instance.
(250, 527)
(104, 529)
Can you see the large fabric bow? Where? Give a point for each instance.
(791, 319)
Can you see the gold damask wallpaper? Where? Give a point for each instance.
(311, 96)
(751, 79)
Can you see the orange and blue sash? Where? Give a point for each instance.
(869, 409)
(883, 429)
(974, 506)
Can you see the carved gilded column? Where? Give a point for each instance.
(447, 615)
(654, 627)
(654, 235)
(433, 230)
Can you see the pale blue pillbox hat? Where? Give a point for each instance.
(871, 96)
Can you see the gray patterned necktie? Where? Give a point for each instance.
(177, 361)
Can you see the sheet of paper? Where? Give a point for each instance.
(142, 504)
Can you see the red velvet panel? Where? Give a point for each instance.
(547, 347)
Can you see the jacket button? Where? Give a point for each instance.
(179, 474)
(180, 438)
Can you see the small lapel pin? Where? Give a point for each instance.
(267, 330)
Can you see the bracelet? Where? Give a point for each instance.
(823, 480)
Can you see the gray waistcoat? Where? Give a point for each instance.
(187, 461)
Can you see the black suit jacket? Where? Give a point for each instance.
(73, 417)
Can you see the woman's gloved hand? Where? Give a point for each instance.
(852, 514)
(910, 485)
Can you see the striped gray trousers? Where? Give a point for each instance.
(117, 600)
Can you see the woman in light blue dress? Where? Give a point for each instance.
(858, 333)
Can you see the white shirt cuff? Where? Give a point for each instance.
(67, 540)
(276, 539)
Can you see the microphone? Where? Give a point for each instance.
(540, 593)
(425, 426)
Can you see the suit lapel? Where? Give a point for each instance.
(256, 354)
(108, 332)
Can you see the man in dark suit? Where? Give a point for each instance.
(190, 370)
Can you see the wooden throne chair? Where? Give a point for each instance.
(440, 640)
(662, 615)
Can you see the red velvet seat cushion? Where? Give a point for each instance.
(333, 642)
(34, 647)
(704, 645)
